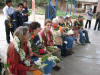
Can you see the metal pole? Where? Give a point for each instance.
(56, 5)
(77, 6)
(71, 6)
(49, 10)
(33, 9)
(74, 7)
(67, 8)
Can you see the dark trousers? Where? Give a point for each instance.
(87, 23)
(8, 30)
(97, 23)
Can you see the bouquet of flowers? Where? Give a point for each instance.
(39, 63)
(70, 32)
(29, 12)
(66, 28)
(3, 66)
(55, 27)
(52, 49)
(53, 58)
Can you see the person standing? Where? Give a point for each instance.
(8, 10)
(17, 17)
(25, 12)
(97, 21)
(89, 18)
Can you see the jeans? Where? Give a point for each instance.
(47, 69)
(70, 41)
(47, 74)
(81, 36)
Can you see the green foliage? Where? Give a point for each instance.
(2, 3)
(41, 2)
(61, 13)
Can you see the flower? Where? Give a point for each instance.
(27, 63)
(29, 44)
(32, 36)
(21, 51)
(42, 51)
(70, 32)
(16, 39)
(39, 63)
(53, 58)
(55, 25)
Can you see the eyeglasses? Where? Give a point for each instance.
(49, 25)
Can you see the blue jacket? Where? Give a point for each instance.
(17, 20)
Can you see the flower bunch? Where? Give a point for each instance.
(29, 12)
(39, 63)
(70, 32)
(66, 28)
(52, 49)
(53, 58)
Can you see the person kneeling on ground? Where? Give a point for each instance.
(19, 52)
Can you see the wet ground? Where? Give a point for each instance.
(85, 60)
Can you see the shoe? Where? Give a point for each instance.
(87, 42)
(69, 53)
(56, 68)
(8, 42)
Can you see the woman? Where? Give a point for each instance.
(18, 55)
(47, 40)
(36, 45)
(46, 34)
(35, 39)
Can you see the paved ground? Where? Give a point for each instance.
(85, 60)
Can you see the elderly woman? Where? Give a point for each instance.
(18, 55)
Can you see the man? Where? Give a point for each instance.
(97, 21)
(78, 25)
(25, 12)
(8, 10)
(17, 17)
(89, 18)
